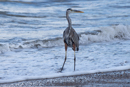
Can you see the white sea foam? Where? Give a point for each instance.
(4, 48)
(34, 63)
(107, 34)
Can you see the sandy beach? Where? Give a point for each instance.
(120, 78)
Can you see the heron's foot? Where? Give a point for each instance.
(60, 70)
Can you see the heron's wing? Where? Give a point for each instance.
(75, 38)
(65, 33)
(71, 37)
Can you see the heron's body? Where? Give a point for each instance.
(70, 36)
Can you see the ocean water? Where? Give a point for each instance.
(31, 31)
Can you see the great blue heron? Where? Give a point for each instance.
(70, 36)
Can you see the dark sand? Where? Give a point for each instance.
(101, 79)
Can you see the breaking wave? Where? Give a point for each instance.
(107, 34)
(100, 35)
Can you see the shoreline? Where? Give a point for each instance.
(109, 78)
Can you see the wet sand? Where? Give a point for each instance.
(119, 78)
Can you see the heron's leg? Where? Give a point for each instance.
(74, 56)
(74, 60)
(65, 56)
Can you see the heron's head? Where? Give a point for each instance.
(70, 10)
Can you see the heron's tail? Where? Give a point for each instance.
(76, 49)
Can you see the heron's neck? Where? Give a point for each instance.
(69, 20)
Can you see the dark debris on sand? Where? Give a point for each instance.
(100, 79)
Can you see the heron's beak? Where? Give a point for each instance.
(77, 11)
